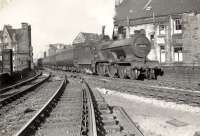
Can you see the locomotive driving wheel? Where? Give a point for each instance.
(122, 72)
(152, 74)
(112, 70)
(133, 74)
(99, 69)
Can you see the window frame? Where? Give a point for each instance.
(179, 52)
(162, 52)
(178, 25)
(163, 31)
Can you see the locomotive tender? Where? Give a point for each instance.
(125, 58)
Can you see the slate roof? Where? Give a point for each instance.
(90, 36)
(10, 31)
(134, 9)
(0, 33)
(16, 34)
(83, 37)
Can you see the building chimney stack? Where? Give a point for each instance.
(9, 26)
(103, 30)
(45, 54)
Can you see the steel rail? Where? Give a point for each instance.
(7, 100)
(91, 113)
(128, 119)
(3, 90)
(30, 126)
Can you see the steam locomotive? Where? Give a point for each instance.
(125, 58)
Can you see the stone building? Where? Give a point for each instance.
(173, 26)
(19, 40)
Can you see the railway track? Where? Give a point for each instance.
(17, 113)
(150, 89)
(73, 114)
(74, 109)
(113, 121)
(21, 89)
(6, 89)
(184, 82)
(179, 96)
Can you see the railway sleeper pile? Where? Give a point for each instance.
(112, 121)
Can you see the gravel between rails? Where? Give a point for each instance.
(24, 108)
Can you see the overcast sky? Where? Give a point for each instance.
(57, 21)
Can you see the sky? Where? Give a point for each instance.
(57, 21)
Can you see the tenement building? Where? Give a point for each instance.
(172, 26)
(19, 41)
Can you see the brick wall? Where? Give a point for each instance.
(191, 38)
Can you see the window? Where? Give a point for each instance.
(115, 33)
(178, 54)
(161, 29)
(152, 36)
(118, 2)
(122, 32)
(162, 53)
(178, 24)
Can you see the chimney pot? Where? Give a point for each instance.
(24, 25)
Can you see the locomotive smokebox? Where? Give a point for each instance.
(134, 48)
(141, 46)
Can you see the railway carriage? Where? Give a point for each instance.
(64, 59)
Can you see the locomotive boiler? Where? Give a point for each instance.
(125, 58)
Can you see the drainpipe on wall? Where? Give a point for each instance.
(170, 39)
(128, 28)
